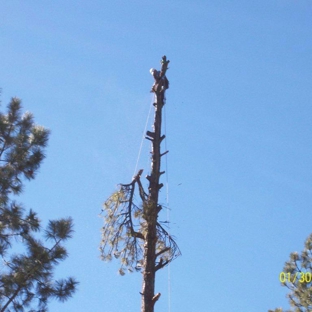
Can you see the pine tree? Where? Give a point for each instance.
(132, 231)
(297, 276)
(26, 278)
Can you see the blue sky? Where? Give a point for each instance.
(238, 127)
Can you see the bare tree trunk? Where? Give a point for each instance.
(151, 207)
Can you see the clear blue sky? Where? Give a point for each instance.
(238, 126)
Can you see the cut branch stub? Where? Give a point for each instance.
(160, 186)
(150, 134)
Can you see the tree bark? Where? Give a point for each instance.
(150, 207)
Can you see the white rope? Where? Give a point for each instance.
(143, 137)
(167, 185)
(168, 210)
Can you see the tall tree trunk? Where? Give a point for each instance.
(151, 207)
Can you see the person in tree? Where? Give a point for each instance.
(161, 82)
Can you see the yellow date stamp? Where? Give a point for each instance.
(302, 277)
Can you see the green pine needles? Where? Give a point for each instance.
(124, 230)
(119, 238)
(297, 277)
(26, 278)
